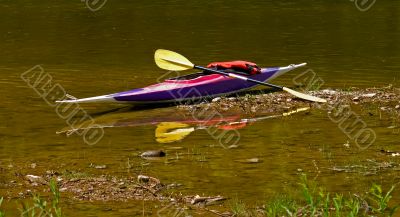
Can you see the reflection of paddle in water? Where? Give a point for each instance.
(168, 132)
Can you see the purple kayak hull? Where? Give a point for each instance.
(222, 86)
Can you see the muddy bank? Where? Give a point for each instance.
(387, 98)
(87, 187)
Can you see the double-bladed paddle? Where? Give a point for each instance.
(173, 61)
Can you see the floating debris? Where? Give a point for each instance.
(372, 167)
(250, 161)
(204, 201)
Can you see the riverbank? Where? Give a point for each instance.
(98, 182)
(315, 200)
(386, 99)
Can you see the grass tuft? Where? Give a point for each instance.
(238, 208)
(2, 213)
(317, 202)
(42, 208)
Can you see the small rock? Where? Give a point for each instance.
(33, 165)
(63, 189)
(100, 166)
(369, 95)
(383, 108)
(153, 153)
(327, 91)
(35, 179)
(100, 179)
(173, 185)
(216, 99)
(143, 178)
(356, 98)
(397, 107)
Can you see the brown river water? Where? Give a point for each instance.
(91, 51)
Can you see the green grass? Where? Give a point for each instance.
(281, 206)
(2, 213)
(238, 208)
(315, 201)
(39, 207)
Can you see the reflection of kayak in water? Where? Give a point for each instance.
(167, 132)
(171, 129)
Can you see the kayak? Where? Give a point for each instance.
(189, 87)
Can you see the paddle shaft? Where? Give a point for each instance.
(238, 76)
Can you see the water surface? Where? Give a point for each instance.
(111, 50)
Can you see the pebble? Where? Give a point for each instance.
(369, 95)
(143, 178)
(397, 107)
(330, 92)
(216, 99)
(100, 166)
(35, 179)
(63, 189)
(153, 153)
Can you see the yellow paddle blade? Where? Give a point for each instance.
(304, 96)
(170, 60)
(167, 132)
